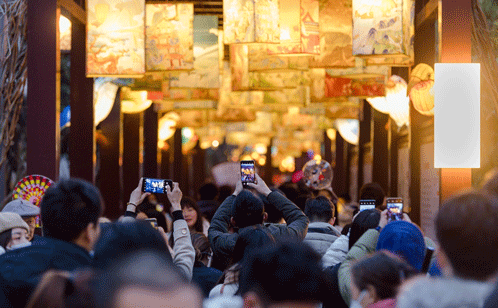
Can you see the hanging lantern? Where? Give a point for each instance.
(115, 42)
(299, 28)
(134, 101)
(422, 96)
(349, 129)
(383, 31)
(167, 125)
(336, 27)
(421, 72)
(169, 36)
(396, 102)
(64, 33)
(104, 95)
(251, 21)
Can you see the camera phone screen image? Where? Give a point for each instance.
(155, 186)
(395, 209)
(367, 205)
(247, 172)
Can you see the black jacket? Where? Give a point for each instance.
(205, 277)
(21, 269)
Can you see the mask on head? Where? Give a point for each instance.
(22, 245)
(357, 303)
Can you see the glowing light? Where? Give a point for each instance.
(255, 156)
(134, 101)
(215, 143)
(187, 132)
(331, 133)
(317, 157)
(260, 148)
(262, 161)
(64, 24)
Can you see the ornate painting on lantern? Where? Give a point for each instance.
(169, 36)
(115, 38)
(385, 29)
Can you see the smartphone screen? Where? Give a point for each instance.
(367, 204)
(394, 208)
(156, 186)
(152, 221)
(247, 172)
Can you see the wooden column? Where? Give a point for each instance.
(380, 168)
(199, 168)
(178, 160)
(109, 179)
(327, 145)
(340, 181)
(150, 131)
(82, 132)
(392, 146)
(42, 129)
(165, 172)
(364, 138)
(456, 47)
(268, 165)
(131, 152)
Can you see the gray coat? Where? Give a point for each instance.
(320, 236)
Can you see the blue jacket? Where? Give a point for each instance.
(21, 269)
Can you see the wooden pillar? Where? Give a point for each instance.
(109, 179)
(268, 165)
(178, 160)
(199, 168)
(340, 180)
(364, 138)
(82, 132)
(131, 152)
(380, 168)
(42, 129)
(456, 47)
(165, 165)
(392, 146)
(327, 145)
(150, 131)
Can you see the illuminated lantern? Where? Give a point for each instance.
(134, 101)
(422, 96)
(349, 129)
(421, 72)
(115, 42)
(64, 33)
(299, 28)
(104, 95)
(383, 31)
(396, 102)
(251, 21)
(167, 125)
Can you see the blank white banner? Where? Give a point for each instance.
(457, 115)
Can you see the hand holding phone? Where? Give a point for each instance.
(152, 221)
(394, 208)
(367, 204)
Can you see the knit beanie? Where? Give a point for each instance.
(10, 221)
(405, 240)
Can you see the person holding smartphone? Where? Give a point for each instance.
(244, 210)
(183, 251)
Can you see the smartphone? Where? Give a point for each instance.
(394, 208)
(152, 221)
(247, 171)
(156, 186)
(367, 204)
(429, 251)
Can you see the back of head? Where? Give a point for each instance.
(119, 239)
(382, 270)
(144, 276)
(68, 207)
(405, 240)
(286, 272)
(373, 191)
(467, 230)
(208, 191)
(247, 210)
(250, 239)
(368, 219)
(201, 245)
(319, 209)
(274, 215)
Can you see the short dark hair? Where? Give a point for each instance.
(247, 209)
(467, 230)
(250, 239)
(5, 238)
(208, 191)
(287, 271)
(319, 209)
(118, 239)
(373, 191)
(368, 219)
(274, 214)
(68, 207)
(145, 269)
(382, 270)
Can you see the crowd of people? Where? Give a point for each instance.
(254, 246)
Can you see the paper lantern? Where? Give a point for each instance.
(422, 96)
(396, 102)
(383, 31)
(104, 95)
(169, 36)
(251, 21)
(115, 42)
(349, 129)
(299, 28)
(134, 101)
(64, 33)
(167, 125)
(421, 72)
